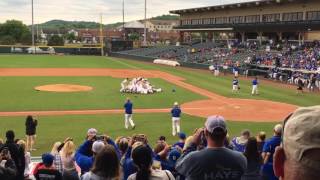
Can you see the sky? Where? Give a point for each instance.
(89, 10)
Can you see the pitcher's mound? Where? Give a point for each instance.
(63, 88)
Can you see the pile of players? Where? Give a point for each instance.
(138, 85)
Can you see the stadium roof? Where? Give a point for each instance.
(233, 5)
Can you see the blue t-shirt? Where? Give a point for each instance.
(255, 82)
(128, 107)
(176, 112)
(270, 146)
(235, 82)
(180, 144)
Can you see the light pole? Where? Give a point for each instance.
(145, 23)
(124, 33)
(32, 28)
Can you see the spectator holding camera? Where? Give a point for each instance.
(17, 153)
(67, 154)
(27, 156)
(8, 170)
(215, 161)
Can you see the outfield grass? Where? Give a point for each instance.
(52, 129)
(19, 94)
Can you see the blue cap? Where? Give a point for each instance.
(174, 155)
(182, 135)
(47, 159)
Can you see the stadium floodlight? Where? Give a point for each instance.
(32, 27)
(145, 23)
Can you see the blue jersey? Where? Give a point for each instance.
(235, 82)
(255, 82)
(176, 112)
(128, 107)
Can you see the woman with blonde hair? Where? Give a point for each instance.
(68, 162)
(27, 157)
(57, 158)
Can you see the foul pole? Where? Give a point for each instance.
(32, 27)
(101, 35)
(145, 23)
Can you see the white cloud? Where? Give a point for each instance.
(89, 10)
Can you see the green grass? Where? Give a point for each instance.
(19, 94)
(57, 128)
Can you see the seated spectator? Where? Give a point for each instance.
(85, 162)
(105, 166)
(46, 169)
(27, 156)
(17, 153)
(239, 143)
(261, 140)
(298, 157)
(8, 170)
(268, 151)
(123, 144)
(254, 161)
(215, 161)
(187, 143)
(67, 154)
(142, 158)
(182, 139)
(57, 162)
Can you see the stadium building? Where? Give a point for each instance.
(292, 20)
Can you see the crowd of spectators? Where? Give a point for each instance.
(292, 153)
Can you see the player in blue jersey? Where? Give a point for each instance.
(128, 114)
(235, 85)
(255, 84)
(176, 114)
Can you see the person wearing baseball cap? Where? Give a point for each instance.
(298, 157)
(46, 169)
(215, 161)
(268, 151)
(175, 114)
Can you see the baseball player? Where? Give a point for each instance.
(235, 85)
(128, 114)
(176, 114)
(255, 84)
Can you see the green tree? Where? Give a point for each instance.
(7, 40)
(134, 36)
(15, 29)
(70, 36)
(26, 38)
(55, 40)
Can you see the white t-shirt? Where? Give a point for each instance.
(156, 175)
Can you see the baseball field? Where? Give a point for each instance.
(70, 114)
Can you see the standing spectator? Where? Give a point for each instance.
(106, 165)
(261, 140)
(27, 156)
(142, 158)
(255, 84)
(8, 170)
(46, 169)
(57, 162)
(17, 154)
(128, 114)
(67, 154)
(298, 157)
(254, 161)
(31, 127)
(215, 161)
(239, 143)
(235, 85)
(268, 151)
(300, 86)
(176, 114)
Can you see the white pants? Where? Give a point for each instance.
(236, 73)
(128, 120)
(175, 125)
(254, 89)
(216, 72)
(235, 88)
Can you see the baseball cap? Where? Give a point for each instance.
(92, 131)
(47, 159)
(97, 146)
(174, 155)
(301, 134)
(215, 122)
(182, 135)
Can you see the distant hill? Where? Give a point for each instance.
(61, 24)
